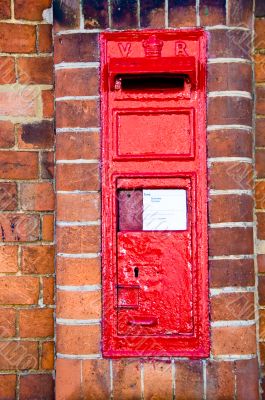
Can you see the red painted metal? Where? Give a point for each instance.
(155, 293)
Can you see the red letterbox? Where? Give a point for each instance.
(154, 194)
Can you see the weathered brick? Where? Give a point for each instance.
(124, 14)
(259, 33)
(261, 289)
(18, 355)
(189, 380)
(47, 355)
(7, 137)
(157, 380)
(77, 145)
(19, 290)
(48, 103)
(261, 312)
(234, 340)
(260, 100)
(84, 239)
(240, 13)
(7, 70)
(260, 67)
(78, 207)
(247, 371)
(75, 113)
(47, 165)
(36, 323)
(85, 82)
(260, 132)
(7, 322)
(229, 43)
(182, 13)
(126, 379)
(37, 135)
(152, 14)
(231, 175)
(95, 14)
(230, 76)
(33, 11)
(68, 378)
(232, 306)
(48, 227)
(220, 380)
(227, 241)
(17, 165)
(8, 385)
(37, 196)
(81, 47)
(76, 177)
(229, 110)
(230, 208)
(8, 196)
(5, 9)
(260, 194)
(19, 101)
(78, 339)
(37, 259)
(45, 38)
(8, 259)
(96, 379)
(231, 273)
(213, 12)
(35, 70)
(17, 38)
(260, 163)
(78, 305)
(19, 227)
(78, 271)
(48, 290)
(66, 14)
(37, 386)
(229, 143)
(261, 225)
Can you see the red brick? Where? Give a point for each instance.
(78, 305)
(260, 132)
(33, 11)
(260, 100)
(75, 113)
(78, 271)
(247, 372)
(189, 380)
(158, 380)
(261, 225)
(45, 38)
(76, 176)
(37, 196)
(7, 322)
(261, 312)
(261, 263)
(225, 110)
(7, 137)
(213, 12)
(260, 163)
(85, 239)
(37, 386)
(5, 10)
(17, 38)
(152, 15)
(17, 165)
(259, 194)
(48, 103)
(81, 47)
(229, 143)
(234, 340)
(47, 165)
(261, 289)
(78, 207)
(231, 273)
(7, 70)
(96, 379)
(124, 15)
(35, 70)
(19, 227)
(8, 387)
(240, 13)
(68, 378)
(66, 15)
(37, 259)
(227, 241)
(126, 379)
(85, 82)
(37, 135)
(36, 323)
(8, 196)
(47, 355)
(77, 145)
(48, 227)
(19, 101)
(19, 290)
(259, 33)
(183, 14)
(228, 43)
(48, 290)
(78, 339)
(259, 67)
(232, 306)
(8, 259)
(18, 355)
(230, 76)
(231, 175)
(230, 208)
(220, 380)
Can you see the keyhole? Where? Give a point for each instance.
(136, 272)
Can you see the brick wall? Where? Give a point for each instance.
(26, 201)
(232, 369)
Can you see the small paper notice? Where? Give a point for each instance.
(164, 209)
